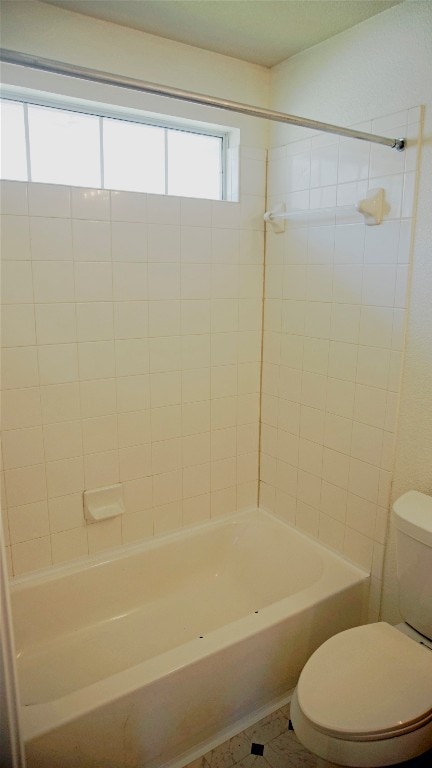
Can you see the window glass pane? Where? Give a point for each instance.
(64, 147)
(194, 165)
(13, 148)
(134, 156)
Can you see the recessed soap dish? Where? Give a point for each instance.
(103, 503)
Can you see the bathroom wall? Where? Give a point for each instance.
(377, 71)
(131, 324)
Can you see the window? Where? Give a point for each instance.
(59, 146)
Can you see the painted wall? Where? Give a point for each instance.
(51, 32)
(382, 67)
(131, 323)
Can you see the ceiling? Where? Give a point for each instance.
(263, 32)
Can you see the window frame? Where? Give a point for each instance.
(125, 115)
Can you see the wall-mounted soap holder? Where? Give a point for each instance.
(103, 503)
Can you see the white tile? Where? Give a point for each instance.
(381, 243)
(337, 433)
(163, 281)
(340, 397)
(69, 545)
(195, 316)
(31, 555)
(19, 367)
(96, 360)
(166, 456)
(51, 239)
(370, 405)
(90, 203)
(316, 318)
(28, 522)
(25, 485)
(17, 282)
(319, 283)
(345, 322)
(60, 402)
(195, 212)
(379, 284)
(321, 243)
(165, 354)
(22, 447)
(358, 548)
(333, 501)
(94, 321)
(50, 200)
(21, 408)
(224, 281)
(98, 397)
(138, 494)
(373, 365)
(376, 326)
(132, 357)
(347, 283)
(367, 443)
(15, 238)
(64, 477)
(91, 240)
(17, 325)
(134, 428)
(131, 319)
(58, 363)
(349, 243)
(315, 355)
(163, 243)
(14, 198)
(62, 440)
(55, 323)
(165, 388)
(353, 160)
(53, 281)
(363, 480)
(195, 281)
(225, 246)
(93, 281)
(166, 422)
(100, 434)
(195, 418)
(105, 535)
(128, 206)
(311, 424)
(195, 385)
(101, 469)
(163, 209)
(135, 462)
(133, 393)
(324, 163)
(129, 281)
(129, 241)
(342, 360)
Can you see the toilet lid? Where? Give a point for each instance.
(367, 682)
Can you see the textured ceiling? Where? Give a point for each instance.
(260, 31)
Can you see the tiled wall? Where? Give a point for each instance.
(131, 335)
(333, 337)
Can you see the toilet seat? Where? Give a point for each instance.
(367, 684)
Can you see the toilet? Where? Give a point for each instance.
(364, 698)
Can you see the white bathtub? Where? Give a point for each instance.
(148, 657)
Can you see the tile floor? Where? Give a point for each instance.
(267, 744)
(271, 744)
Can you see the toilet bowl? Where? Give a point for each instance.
(364, 698)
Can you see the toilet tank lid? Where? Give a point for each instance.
(413, 516)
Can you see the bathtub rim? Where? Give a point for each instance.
(114, 554)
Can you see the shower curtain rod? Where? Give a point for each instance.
(120, 81)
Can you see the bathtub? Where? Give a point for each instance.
(151, 655)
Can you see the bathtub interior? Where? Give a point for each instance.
(83, 625)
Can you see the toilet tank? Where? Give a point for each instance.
(412, 514)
